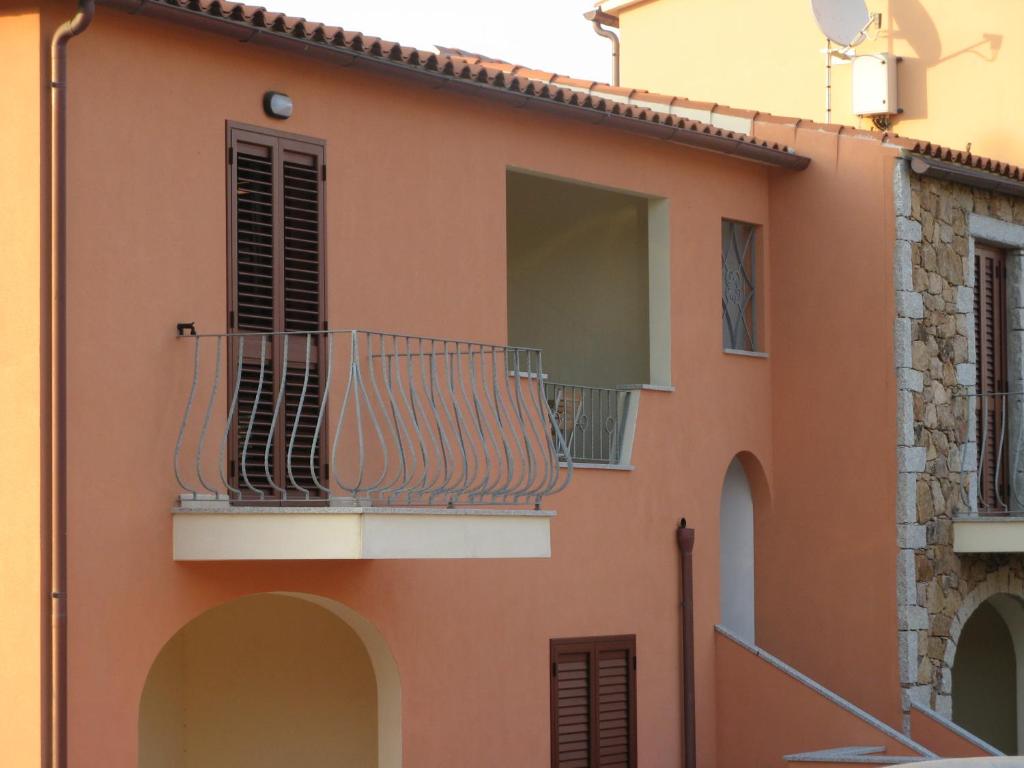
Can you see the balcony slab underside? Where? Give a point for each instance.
(988, 533)
(217, 532)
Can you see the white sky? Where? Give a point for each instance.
(545, 34)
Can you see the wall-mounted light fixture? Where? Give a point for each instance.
(277, 105)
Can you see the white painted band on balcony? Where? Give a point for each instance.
(979, 534)
(359, 534)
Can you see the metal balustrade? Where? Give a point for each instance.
(353, 417)
(994, 480)
(590, 419)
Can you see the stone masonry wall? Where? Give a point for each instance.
(935, 361)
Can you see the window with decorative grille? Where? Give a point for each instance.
(990, 403)
(276, 276)
(593, 702)
(739, 286)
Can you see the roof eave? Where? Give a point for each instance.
(244, 31)
(934, 168)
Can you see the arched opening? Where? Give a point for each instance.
(271, 680)
(988, 671)
(736, 552)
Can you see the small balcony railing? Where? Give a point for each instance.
(591, 420)
(992, 479)
(362, 418)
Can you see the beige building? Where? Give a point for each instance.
(958, 71)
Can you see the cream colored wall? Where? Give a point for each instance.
(958, 78)
(20, 135)
(578, 280)
(263, 681)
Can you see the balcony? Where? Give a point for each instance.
(355, 444)
(597, 423)
(992, 476)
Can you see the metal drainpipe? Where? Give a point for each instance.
(684, 538)
(55, 684)
(597, 18)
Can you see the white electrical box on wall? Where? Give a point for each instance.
(874, 85)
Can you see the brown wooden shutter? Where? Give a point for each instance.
(990, 343)
(593, 702)
(276, 281)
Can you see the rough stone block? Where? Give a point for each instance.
(921, 695)
(910, 380)
(906, 578)
(906, 498)
(909, 304)
(911, 536)
(966, 374)
(905, 418)
(911, 459)
(901, 188)
(903, 269)
(964, 299)
(902, 343)
(908, 229)
(945, 681)
(944, 705)
(913, 617)
(908, 656)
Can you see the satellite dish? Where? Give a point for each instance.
(842, 21)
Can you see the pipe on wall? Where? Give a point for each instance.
(55, 685)
(599, 18)
(684, 540)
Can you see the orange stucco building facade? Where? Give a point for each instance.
(415, 241)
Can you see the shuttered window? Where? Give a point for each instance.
(593, 702)
(990, 343)
(276, 285)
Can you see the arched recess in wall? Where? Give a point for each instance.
(273, 679)
(744, 497)
(988, 673)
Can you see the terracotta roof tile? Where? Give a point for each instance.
(633, 96)
(599, 97)
(960, 157)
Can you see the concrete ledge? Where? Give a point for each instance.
(358, 533)
(852, 756)
(988, 533)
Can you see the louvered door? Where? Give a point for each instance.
(277, 308)
(991, 403)
(593, 702)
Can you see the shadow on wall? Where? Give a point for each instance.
(909, 21)
(270, 680)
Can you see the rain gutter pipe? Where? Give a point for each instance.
(55, 523)
(684, 539)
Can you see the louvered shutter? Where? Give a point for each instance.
(277, 284)
(990, 343)
(593, 703)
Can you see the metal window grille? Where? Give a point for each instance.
(739, 285)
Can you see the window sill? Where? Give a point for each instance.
(745, 353)
(586, 465)
(647, 387)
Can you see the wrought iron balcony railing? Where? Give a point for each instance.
(366, 418)
(591, 420)
(991, 467)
